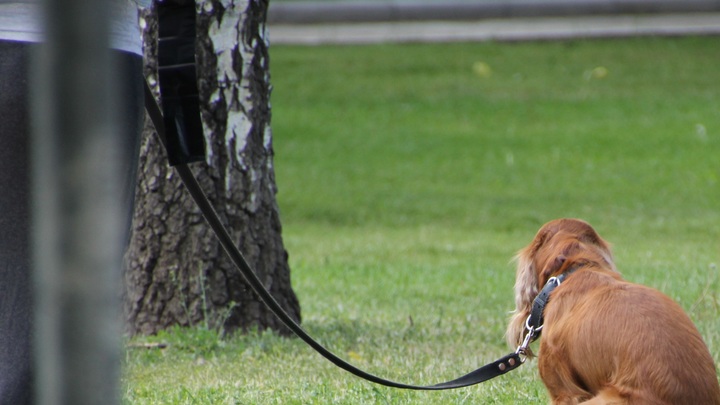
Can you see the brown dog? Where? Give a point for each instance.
(605, 340)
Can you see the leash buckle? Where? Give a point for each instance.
(526, 342)
(530, 328)
(554, 280)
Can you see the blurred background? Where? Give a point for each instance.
(487, 19)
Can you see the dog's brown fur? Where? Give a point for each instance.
(606, 340)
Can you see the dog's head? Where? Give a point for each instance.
(545, 257)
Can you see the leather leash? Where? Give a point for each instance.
(183, 141)
(491, 370)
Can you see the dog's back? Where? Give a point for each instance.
(625, 341)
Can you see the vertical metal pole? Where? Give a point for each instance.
(77, 208)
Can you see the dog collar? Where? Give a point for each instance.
(536, 319)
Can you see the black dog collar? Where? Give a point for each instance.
(536, 319)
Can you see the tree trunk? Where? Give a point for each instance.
(177, 272)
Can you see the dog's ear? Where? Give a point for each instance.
(526, 283)
(530, 271)
(564, 248)
(552, 267)
(540, 239)
(526, 289)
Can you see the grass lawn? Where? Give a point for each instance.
(409, 175)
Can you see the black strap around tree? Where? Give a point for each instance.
(182, 137)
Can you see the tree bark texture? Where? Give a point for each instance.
(177, 273)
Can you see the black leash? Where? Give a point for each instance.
(182, 139)
(491, 370)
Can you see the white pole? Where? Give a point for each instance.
(77, 208)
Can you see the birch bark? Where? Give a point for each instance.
(177, 273)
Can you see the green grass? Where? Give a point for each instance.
(407, 181)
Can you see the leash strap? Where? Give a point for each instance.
(489, 371)
(180, 131)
